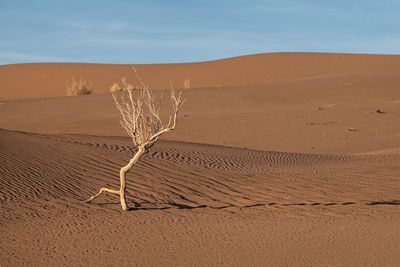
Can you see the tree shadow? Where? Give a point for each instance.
(394, 202)
(173, 205)
(148, 208)
(138, 206)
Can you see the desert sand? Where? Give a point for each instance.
(287, 159)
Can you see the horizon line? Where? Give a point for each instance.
(205, 61)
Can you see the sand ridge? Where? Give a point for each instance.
(306, 117)
(34, 80)
(44, 177)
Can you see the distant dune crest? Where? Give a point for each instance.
(34, 80)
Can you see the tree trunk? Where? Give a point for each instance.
(124, 170)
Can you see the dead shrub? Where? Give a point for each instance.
(80, 87)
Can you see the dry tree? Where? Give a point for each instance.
(140, 111)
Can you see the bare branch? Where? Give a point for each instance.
(103, 189)
(140, 111)
(140, 117)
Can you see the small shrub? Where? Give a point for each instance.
(81, 87)
(121, 86)
(115, 88)
(186, 84)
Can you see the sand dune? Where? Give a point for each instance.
(49, 79)
(306, 117)
(194, 203)
(290, 102)
(287, 159)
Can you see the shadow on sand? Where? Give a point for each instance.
(139, 206)
(158, 206)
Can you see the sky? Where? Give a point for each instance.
(174, 31)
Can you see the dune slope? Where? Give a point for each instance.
(49, 79)
(194, 204)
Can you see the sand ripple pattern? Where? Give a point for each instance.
(61, 170)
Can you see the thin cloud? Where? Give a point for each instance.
(16, 57)
(157, 32)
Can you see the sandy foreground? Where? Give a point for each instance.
(286, 159)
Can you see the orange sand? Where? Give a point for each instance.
(213, 192)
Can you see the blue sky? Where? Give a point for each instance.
(168, 31)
